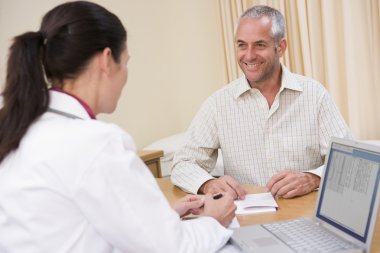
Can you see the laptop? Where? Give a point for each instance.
(346, 209)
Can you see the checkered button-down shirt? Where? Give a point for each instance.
(257, 141)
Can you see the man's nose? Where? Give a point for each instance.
(250, 53)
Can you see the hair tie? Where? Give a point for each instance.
(44, 38)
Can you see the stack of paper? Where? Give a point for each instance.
(256, 203)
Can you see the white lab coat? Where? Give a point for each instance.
(77, 185)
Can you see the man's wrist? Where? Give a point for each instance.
(203, 188)
(315, 179)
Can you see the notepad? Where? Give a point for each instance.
(256, 203)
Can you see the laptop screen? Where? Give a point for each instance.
(349, 189)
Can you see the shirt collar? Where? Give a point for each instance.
(242, 86)
(288, 81)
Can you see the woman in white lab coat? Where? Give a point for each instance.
(70, 183)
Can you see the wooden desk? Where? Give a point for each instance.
(288, 208)
(152, 159)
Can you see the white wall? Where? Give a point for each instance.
(176, 58)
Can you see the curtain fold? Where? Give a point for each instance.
(229, 13)
(334, 42)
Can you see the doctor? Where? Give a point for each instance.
(70, 183)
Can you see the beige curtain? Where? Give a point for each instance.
(229, 13)
(335, 42)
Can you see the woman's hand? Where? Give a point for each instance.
(189, 204)
(222, 209)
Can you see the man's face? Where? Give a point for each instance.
(256, 51)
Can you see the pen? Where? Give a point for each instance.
(217, 196)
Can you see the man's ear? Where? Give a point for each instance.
(105, 60)
(282, 44)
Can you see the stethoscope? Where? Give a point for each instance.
(65, 114)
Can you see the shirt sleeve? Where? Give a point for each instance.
(331, 124)
(318, 171)
(121, 199)
(194, 161)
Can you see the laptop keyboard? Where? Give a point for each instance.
(303, 235)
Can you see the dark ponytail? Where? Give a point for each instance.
(70, 35)
(25, 96)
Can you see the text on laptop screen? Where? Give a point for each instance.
(349, 190)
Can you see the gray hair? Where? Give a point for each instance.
(278, 20)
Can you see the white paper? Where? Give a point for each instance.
(256, 203)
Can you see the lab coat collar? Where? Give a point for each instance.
(66, 104)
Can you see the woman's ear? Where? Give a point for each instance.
(105, 60)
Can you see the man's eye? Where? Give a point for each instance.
(241, 46)
(261, 45)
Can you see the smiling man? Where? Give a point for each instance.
(272, 126)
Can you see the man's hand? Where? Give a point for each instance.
(289, 184)
(224, 184)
